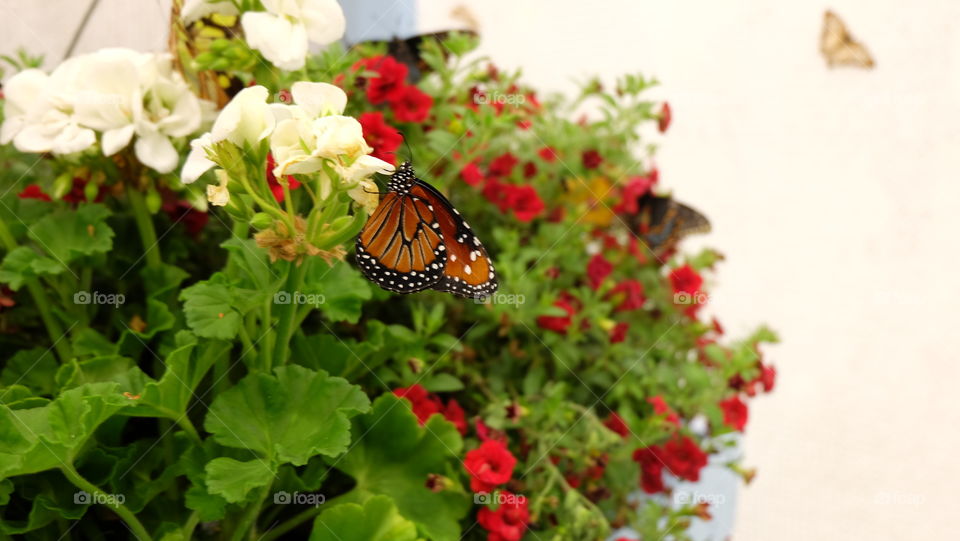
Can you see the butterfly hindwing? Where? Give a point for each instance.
(664, 221)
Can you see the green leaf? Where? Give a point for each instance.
(376, 520)
(90, 342)
(22, 263)
(287, 417)
(209, 310)
(343, 288)
(233, 479)
(198, 497)
(34, 368)
(37, 439)
(170, 396)
(69, 234)
(394, 458)
(442, 383)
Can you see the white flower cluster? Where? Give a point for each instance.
(283, 32)
(114, 93)
(302, 137)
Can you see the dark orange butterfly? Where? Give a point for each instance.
(416, 240)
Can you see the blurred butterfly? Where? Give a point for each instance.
(410, 51)
(417, 240)
(839, 47)
(662, 222)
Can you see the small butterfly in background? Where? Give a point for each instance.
(417, 240)
(662, 222)
(839, 47)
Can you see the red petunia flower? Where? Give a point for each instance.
(735, 413)
(485, 433)
(382, 137)
(631, 291)
(632, 191)
(685, 280)
(660, 407)
(549, 154)
(768, 376)
(471, 174)
(560, 324)
(391, 78)
(598, 268)
(684, 458)
(489, 465)
(651, 469)
(592, 159)
(424, 405)
(617, 424)
(509, 521)
(666, 115)
(275, 187)
(525, 202)
(454, 413)
(619, 332)
(503, 165)
(34, 191)
(529, 170)
(411, 105)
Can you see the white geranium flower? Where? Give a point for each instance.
(282, 32)
(366, 191)
(197, 162)
(23, 102)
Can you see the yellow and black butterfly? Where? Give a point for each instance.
(839, 47)
(662, 222)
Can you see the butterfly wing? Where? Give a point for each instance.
(400, 248)
(664, 222)
(469, 271)
(839, 47)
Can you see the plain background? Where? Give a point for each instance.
(833, 194)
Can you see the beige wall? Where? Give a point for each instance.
(834, 195)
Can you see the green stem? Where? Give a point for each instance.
(40, 299)
(148, 235)
(191, 525)
(249, 520)
(267, 350)
(300, 518)
(288, 313)
(121, 510)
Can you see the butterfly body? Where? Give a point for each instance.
(662, 222)
(417, 240)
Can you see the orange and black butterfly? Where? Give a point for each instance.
(416, 240)
(662, 222)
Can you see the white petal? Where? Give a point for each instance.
(246, 119)
(339, 136)
(197, 162)
(280, 41)
(324, 20)
(157, 152)
(72, 139)
(114, 140)
(319, 98)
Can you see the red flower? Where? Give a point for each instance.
(424, 405)
(619, 332)
(598, 268)
(660, 407)
(503, 165)
(633, 190)
(509, 521)
(592, 159)
(665, 117)
(768, 376)
(33, 191)
(485, 433)
(548, 154)
(735, 413)
(559, 324)
(411, 105)
(529, 170)
(390, 82)
(471, 174)
(684, 458)
(651, 469)
(489, 465)
(617, 424)
(685, 280)
(717, 327)
(524, 201)
(383, 137)
(454, 413)
(275, 187)
(632, 294)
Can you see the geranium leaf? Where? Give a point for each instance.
(209, 310)
(33, 368)
(342, 287)
(288, 416)
(170, 396)
(233, 479)
(23, 263)
(376, 520)
(69, 234)
(395, 456)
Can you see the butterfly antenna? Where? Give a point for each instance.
(407, 144)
